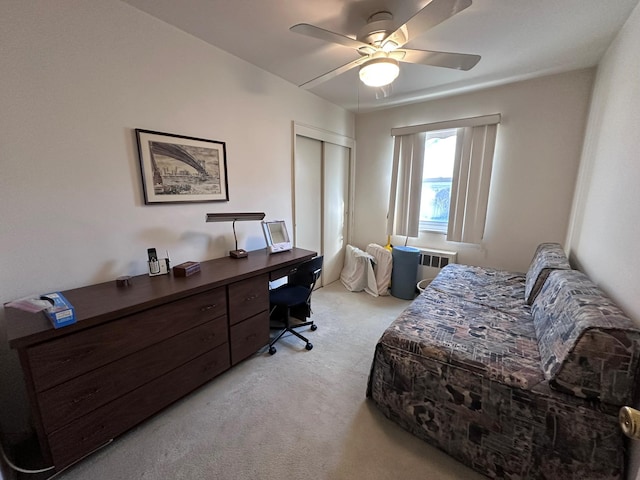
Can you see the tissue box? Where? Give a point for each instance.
(61, 313)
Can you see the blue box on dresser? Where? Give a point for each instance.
(61, 313)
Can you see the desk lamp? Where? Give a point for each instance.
(233, 217)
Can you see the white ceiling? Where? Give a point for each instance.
(517, 39)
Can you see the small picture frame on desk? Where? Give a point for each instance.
(177, 169)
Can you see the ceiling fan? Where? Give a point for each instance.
(380, 43)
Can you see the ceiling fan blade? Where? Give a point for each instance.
(328, 36)
(333, 73)
(435, 12)
(457, 61)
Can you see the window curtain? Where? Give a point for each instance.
(470, 187)
(406, 185)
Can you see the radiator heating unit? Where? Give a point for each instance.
(431, 261)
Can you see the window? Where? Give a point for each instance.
(437, 177)
(438, 191)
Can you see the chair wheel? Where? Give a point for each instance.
(314, 327)
(308, 346)
(272, 350)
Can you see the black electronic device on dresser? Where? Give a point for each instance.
(135, 351)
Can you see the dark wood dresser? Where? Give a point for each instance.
(136, 349)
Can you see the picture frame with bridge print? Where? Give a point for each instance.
(177, 168)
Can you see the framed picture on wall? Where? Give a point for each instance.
(178, 169)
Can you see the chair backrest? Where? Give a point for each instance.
(307, 273)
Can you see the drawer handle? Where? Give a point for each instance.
(251, 297)
(86, 396)
(208, 307)
(209, 337)
(77, 357)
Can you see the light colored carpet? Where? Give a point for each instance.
(297, 414)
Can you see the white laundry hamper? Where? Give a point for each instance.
(423, 284)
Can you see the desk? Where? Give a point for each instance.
(135, 350)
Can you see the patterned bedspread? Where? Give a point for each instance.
(497, 289)
(475, 319)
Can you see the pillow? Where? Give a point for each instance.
(548, 257)
(588, 347)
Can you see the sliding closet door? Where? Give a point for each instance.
(322, 186)
(336, 201)
(308, 194)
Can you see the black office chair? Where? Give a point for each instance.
(294, 300)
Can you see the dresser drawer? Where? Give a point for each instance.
(249, 336)
(61, 359)
(93, 430)
(70, 400)
(248, 297)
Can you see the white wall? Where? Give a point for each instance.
(77, 77)
(605, 230)
(536, 161)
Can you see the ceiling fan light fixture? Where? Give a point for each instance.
(379, 72)
(389, 46)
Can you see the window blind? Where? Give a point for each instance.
(471, 181)
(471, 177)
(406, 185)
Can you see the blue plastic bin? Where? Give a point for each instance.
(405, 272)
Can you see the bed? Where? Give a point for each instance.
(517, 375)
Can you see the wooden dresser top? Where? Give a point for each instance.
(99, 303)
